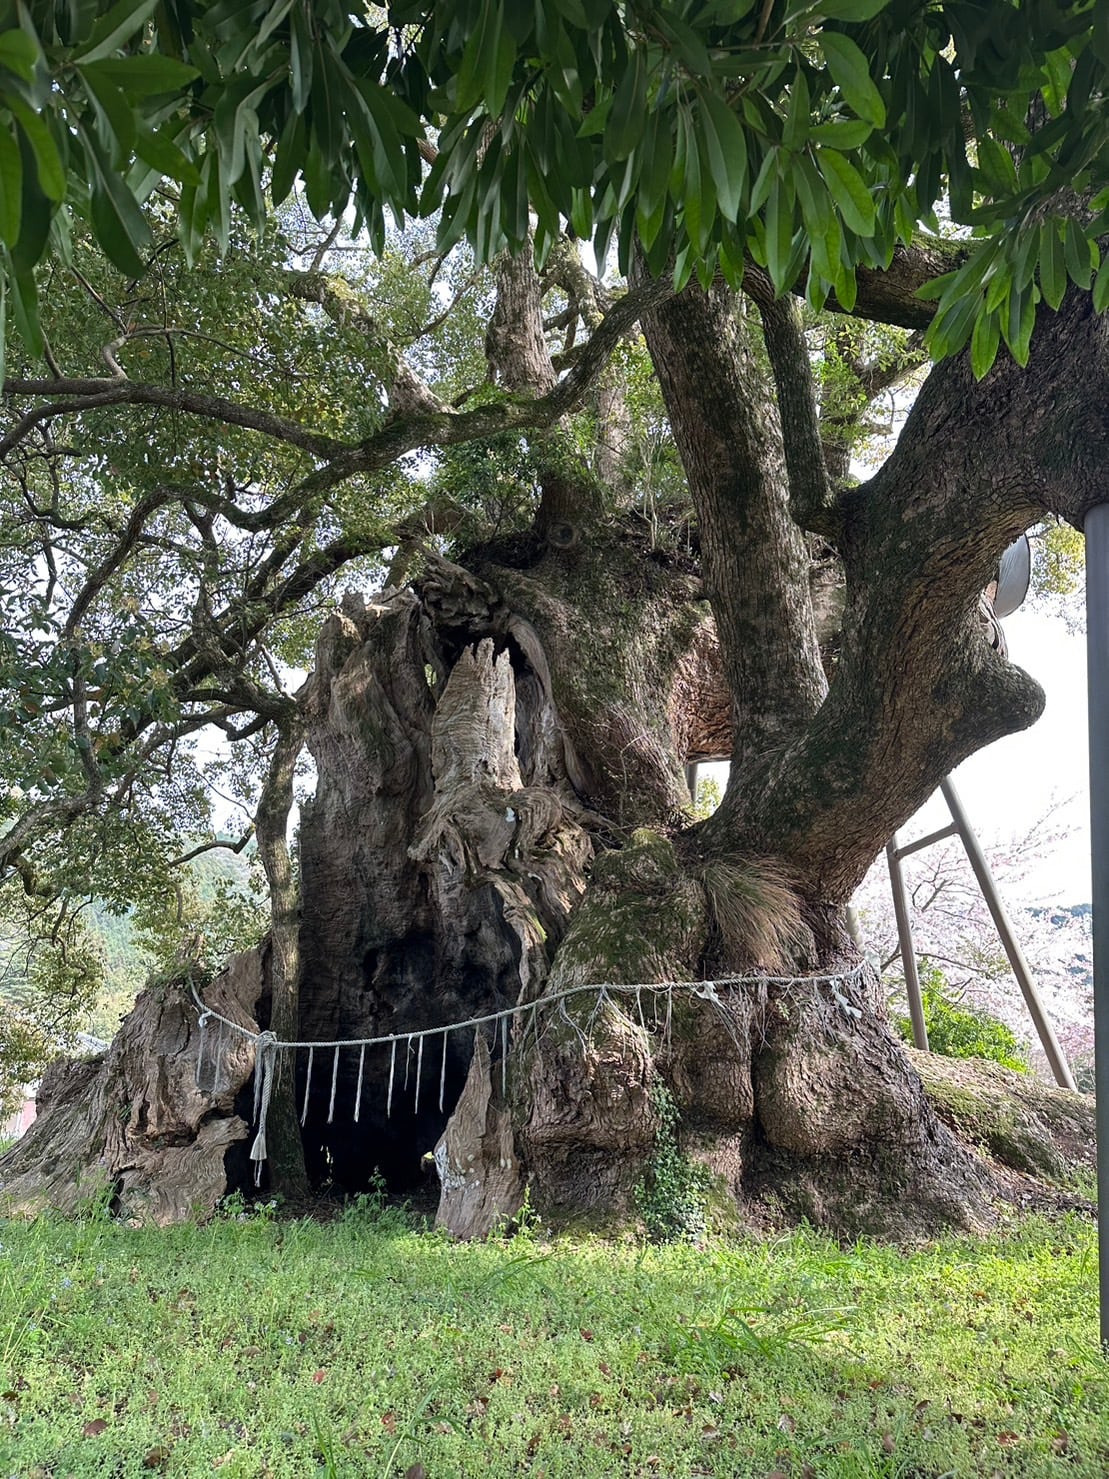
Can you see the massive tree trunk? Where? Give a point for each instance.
(501, 813)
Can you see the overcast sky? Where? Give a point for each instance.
(1007, 788)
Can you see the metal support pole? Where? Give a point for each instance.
(905, 941)
(691, 780)
(977, 858)
(1097, 665)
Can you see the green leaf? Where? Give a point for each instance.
(1024, 256)
(848, 190)
(815, 205)
(851, 73)
(11, 188)
(1101, 286)
(300, 60)
(1053, 270)
(761, 188)
(625, 121)
(952, 325)
(726, 151)
(289, 161)
(48, 162)
(687, 45)
(999, 285)
(479, 71)
(1078, 251)
(120, 226)
(113, 112)
(1017, 324)
(25, 310)
(844, 135)
(19, 53)
(596, 120)
(827, 250)
(779, 233)
(698, 198)
(984, 344)
(658, 156)
(142, 76)
(115, 28)
(997, 167)
(158, 149)
(796, 128)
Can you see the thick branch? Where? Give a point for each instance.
(754, 555)
(69, 397)
(343, 305)
(917, 687)
(285, 1152)
(811, 499)
(888, 295)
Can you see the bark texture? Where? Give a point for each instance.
(133, 1126)
(501, 811)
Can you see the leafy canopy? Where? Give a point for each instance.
(812, 138)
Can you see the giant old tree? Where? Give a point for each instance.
(501, 732)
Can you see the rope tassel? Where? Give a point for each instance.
(266, 1050)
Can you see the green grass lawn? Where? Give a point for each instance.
(367, 1346)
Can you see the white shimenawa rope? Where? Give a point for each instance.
(268, 1047)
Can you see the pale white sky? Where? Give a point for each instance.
(1008, 787)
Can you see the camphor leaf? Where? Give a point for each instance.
(1078, 253)
(848, 189)
(851, 73)
(11, 188)
(19, 53)
(846, 134)
(486, 67)
(121, 228)
(984, 344)
(726, 151)
(142, 76)
(48, 162)
(625, 121)
(1053, 270)
(24, 302)
(113, 112)
(779, 233)
(1101, 286)
(119, 25)
(1016, 325)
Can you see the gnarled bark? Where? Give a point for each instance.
(134, 1126)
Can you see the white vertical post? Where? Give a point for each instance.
(1097, 663)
